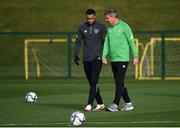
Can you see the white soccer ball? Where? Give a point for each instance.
(31, 97)
(77, 118)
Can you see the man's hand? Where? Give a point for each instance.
(76, 60)
(104, 61)
(135, 61)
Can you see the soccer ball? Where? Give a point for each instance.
(31, 97)
(77, 118)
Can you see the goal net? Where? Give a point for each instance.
(45, 58)
(161, 59)
(54, 58)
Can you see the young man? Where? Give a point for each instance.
(91, 34)
(117, 42)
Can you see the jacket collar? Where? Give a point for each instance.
(90, 24)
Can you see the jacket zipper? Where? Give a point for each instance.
(91, 29)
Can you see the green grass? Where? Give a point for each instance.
(156, 103)
(60, 15)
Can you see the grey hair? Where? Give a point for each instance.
(111, 12)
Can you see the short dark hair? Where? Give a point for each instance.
(90, 12)
(112, 12)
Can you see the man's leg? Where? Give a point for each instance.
(125, 95)
(119, 70)
(92, 71)
(94, 92)
(128, 105)
(97, 65)
(87, 70)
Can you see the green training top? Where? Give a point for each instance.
(117, 41)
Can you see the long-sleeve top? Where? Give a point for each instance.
(92, 37)
(118, 41)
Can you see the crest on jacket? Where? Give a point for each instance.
(96, 30)
(118, 30)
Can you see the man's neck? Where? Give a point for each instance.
(91, 23)
(116, 21)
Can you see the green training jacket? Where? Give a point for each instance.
(119, 39)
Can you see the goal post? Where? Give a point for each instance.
(34, 47)
(52, 57)
(140, 49)
(160, 59)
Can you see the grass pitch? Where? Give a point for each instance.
(156, 103)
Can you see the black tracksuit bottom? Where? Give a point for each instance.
(119, 71)
(92, 70)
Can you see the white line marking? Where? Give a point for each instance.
(134, 122)
(68, 123)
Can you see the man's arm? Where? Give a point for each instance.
(105, 49)
(130, 39)
(78, 42)
(77, 46)
(102, 36)
(104, 32)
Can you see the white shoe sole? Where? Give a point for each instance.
(111, 110)
(128, 109)
(99, 109)
(87, 110)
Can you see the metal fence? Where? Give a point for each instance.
(14, 64)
